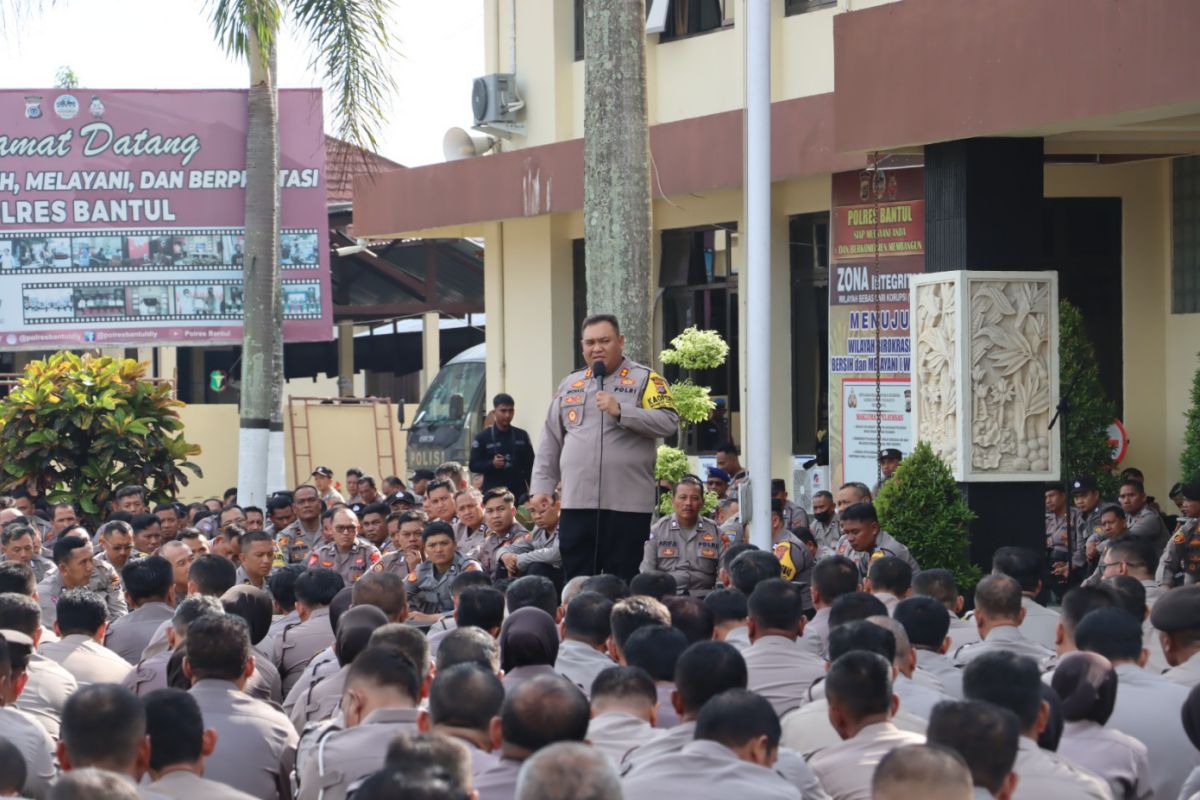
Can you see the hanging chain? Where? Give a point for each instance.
(876, 193)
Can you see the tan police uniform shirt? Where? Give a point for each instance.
(34, 745)
(351, 564)
(845, 769)
(1118, 759)
(429, 592)
(394, 562)
(580, 663)
(690, 555)
(349, 755)
(293, 543)
(1043, 774)
(46, 692)
(782, 671)
(706, 769)
(104, 581)
(184, 785)
(88, 661)
(296, 646)
(251, 738)
(130, 635)
(469, 541)
(494, 544)
(572, 434)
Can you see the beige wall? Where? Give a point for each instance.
(1159, 347)
(341, 437)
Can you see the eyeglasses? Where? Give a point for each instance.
(345, 528)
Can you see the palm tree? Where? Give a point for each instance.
(350, 42)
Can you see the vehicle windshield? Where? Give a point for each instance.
(462, 380)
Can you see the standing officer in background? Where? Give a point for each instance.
(599, 441)
(501, 453)
(889, 459)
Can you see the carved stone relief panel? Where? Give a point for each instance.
(936, 365)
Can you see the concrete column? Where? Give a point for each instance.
(345, 331)
(431, 348)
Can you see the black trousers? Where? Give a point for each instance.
(618, 551)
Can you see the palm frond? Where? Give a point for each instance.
(352, 48)
(233, 20)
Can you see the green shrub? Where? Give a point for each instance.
(1084, 439)
(921, 506)
(78, 428)
(1189, 459)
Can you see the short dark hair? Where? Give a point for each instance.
(65, 545)
(175, 726)
(938, 584)
(726, 605)
(1131, 594)
(608, 585)
(17, 577)
(1134, 552)
(1021, 564)
(20, 613)
(465, 695)
(316, 587)
(985, 735)
(691, 616)
(1112, 632)
(80, 611)
(729, 447)
(925, 620)
(429, 760)
(1008, 680)
(623, 682)
(15, 530)
(191, 608)
(655, 648)
(532, 590)
(890, 574)
(503, 399)
(855, 606)
(149, 578)
(354, 631)
(469, 645)
(636, 612)
(392, 782)
(379, 665)
(250, 537)
(860, 683)
(405, 639)
(589, 617)
(858, 635)
(129, 491)
(384, 590)
(777, 604)
(654, 584)
(835, 576)
(437, 528)
(376, 508)
(102, 725)
(481, 606)
(998, 596)
(860, 512)
(13, 772)
(706, 669)
(282, 583)
(212, 574)
(439, 483)
(736, 716)
(734, 550)
(141, 522)
(752, 568)
(217, 647)
(499, 492)
(1136, 484)
(596, 319)
(466, 580)
(1082, 600)
(253, 605)
(544, 710)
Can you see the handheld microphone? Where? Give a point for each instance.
(598, 372)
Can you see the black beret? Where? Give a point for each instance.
(1177, 610)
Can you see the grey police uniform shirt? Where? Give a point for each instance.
(1044, 774)
(323, 665)
(129, 636)
(615, 733)
(782, 671)
(149, 675)
(569, 448)
(1004, 638)
(46, 692)
(35, 746)
(329, 761)
(845, 769)
(794, 516)
(104, 581)
(885, 545)
(297, 645)
(88, 661)
(500, 781)
(429, 592)
(1174, 555)
(826, 533)
(320, 702)
(580, 663)
(184, 785)
(251, 738)
(1147, 708)
(538, 546)
(690, 555)
(698, 769)
(351, 564)
(1116, 758)
(1086, 527)
(1147, 525)
(295, 543)
(495, 544)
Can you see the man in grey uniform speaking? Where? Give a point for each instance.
(599, 442)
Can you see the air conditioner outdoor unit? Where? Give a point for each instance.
(494, 99)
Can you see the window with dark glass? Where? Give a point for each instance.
(791, 7)
(1185, 235)
(809, 267)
